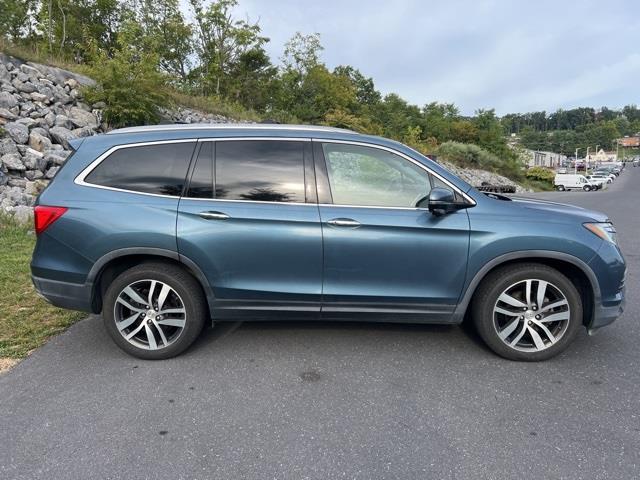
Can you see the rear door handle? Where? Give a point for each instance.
(214, 215)
(343, 222)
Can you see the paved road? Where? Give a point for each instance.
(324, 401)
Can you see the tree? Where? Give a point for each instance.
(221, 42)
(73, 25)
(302, 53)
(366, 93)
(15, 19)
(128, 82)
(164, 26)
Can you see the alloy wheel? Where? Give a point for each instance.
(531, 315)
(149, 314)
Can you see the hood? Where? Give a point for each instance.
(545, 205)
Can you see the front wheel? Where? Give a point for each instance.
(154, 310)
(586, 188)
(527, 312)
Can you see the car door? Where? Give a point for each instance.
(250, 221)
(384, 257)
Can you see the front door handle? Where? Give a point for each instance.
(214, 215)
(343, 222)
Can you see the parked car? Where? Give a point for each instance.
(605, 173)
(636, 162)
(165, 229)
(599, 182)
(564, 182)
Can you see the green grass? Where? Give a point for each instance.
(26, 321)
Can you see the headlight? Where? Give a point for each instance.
(604, 230)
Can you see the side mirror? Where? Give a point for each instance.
(441, 201)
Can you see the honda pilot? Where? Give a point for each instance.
(164, 229)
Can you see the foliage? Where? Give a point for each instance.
(145, 51)
(473, 156)
(128, 83)
(541, 174)
(26, 321)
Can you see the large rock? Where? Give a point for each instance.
(7, 146)
(62, 136)
(26, 87)
(18, 132)
(7, 114)
(54, 158)
(23, 214)
(39, 97)
(7, 100)
(51, 173)
(12, 162)
(34, 160)
(63, 121)
(30, 71)
(81, 118)
(39, 142)
(4, 73)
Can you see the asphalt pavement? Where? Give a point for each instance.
(324, 400)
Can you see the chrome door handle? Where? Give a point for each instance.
(214, 215)
(343, 222)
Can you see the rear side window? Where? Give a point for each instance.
(159, 169)
(261, 170)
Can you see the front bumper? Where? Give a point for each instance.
(604, 315)
(72, 296)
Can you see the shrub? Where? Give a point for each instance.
(129, 83)
(472, 156)
(540, 174)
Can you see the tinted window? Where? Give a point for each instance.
(157, 169)
(372, 177)
(201, 185)
(264, 170)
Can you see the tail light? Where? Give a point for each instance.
(43, 216)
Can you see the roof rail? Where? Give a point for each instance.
(227, 126)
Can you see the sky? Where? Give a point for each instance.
(511, 55)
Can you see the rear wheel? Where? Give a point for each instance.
(527, 312)
(560, 188)
(154, 310)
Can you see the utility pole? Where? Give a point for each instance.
(586, 160)
(575, 163)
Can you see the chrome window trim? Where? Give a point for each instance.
(80, 178)
(406, 157)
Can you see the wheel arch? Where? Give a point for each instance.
(109, 266)
(575, 269)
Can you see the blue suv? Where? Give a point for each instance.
(166, 228)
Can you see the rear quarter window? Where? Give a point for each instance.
(160, 168)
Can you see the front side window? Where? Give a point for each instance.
(259, 170)
(159, 168)
(366, 176)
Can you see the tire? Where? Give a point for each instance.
(586, 188)
(508, 281)
(175, 324)
(560, 188)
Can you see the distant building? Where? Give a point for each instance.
(629, 142)
(536, 158)
(602, 156)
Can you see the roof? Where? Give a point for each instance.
(227, 126)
